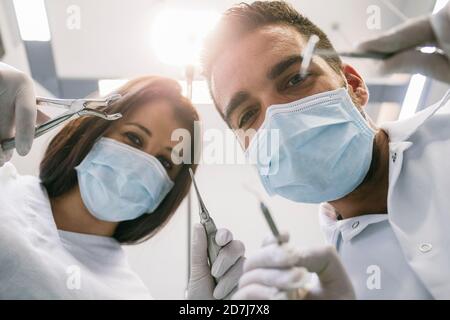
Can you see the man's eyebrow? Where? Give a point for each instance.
(146, 130)
(281, 66)
(234, 103)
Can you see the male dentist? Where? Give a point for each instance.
(384, 190)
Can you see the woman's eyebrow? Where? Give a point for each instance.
(146, 130)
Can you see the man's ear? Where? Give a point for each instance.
(356, 84)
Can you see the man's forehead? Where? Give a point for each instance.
(281, 35)
(251, 57)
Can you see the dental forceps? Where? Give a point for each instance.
(208, 224)
(80, 107)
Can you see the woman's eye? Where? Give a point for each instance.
(166, 163)
(247, 117)
(295, 80)
(134, 139)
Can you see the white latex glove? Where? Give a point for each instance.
(275, 270)
(17, 110)
(402, 40)
(227, 268)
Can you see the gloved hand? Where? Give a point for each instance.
(17, 110)
(276, 270)
(227, 268)
(402, 40)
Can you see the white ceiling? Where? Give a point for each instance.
(114, 38)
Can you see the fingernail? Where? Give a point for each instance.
(217, 265)
(23, 149)
(224, 238)
(214, 270)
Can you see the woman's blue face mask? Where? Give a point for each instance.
(118, 182)
(323, 151)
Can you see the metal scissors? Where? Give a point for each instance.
(208, 224)
(80, 107)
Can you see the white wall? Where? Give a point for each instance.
(91, 50)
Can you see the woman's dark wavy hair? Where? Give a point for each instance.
(69, 147)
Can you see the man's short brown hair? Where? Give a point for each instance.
(243, 18)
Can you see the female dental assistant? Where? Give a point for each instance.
(101, 184)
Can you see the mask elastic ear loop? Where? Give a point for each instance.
(364, 115)
(346, 85)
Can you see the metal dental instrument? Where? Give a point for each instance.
(293, 294)
(307, 55)
(80, 107)
(358, 55)
(208, 224)
(270, 222)
(310, 50)
(371, 54)
(267, 215)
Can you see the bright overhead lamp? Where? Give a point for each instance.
(177, 35)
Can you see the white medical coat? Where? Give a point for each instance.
(418, 227)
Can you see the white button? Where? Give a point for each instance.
(394, 156)
(355, 224)
(425, 247)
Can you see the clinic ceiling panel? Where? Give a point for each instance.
(113, 40)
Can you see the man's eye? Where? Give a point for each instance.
(296, 80)
(134, 139)
(166, 163)
(247, 117)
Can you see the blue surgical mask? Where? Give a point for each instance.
(323, 149)
(118, 182)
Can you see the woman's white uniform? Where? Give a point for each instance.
(38, 261)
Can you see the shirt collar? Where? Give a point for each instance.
(400, 130)
(347, 228)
